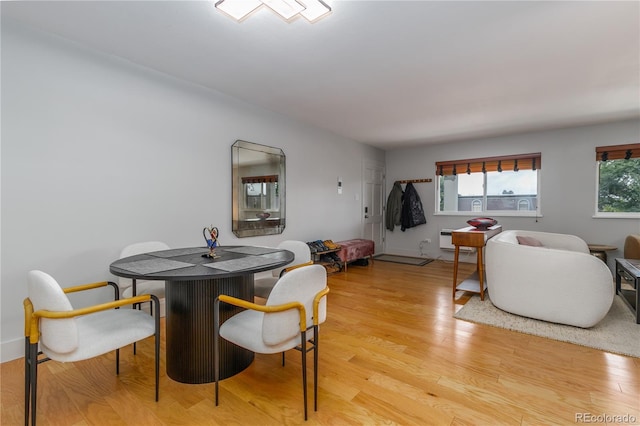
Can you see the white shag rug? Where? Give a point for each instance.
(617, 332)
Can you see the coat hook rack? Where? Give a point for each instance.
(415, 180)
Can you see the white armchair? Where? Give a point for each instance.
(131, 287)
(60, 333)
(296, 307)
(302, 257)
(556, 281)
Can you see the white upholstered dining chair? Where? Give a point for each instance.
(131, 287)
(290, 319)
(60, 333)
(302, 256)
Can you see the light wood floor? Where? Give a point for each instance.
(390, 353)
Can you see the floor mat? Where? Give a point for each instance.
(408, 260)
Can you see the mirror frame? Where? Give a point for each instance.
(255, 163)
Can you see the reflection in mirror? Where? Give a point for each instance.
(258, 189)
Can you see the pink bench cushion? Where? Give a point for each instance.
(355, 249)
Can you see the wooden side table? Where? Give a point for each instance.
(600, 250)
(471, 237)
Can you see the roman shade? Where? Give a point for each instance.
(260, 179)
(618, 152)
(490, 164)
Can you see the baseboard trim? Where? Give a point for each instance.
(11, 350)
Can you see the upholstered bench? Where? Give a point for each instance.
(351, 250)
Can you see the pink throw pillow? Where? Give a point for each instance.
(529, 241)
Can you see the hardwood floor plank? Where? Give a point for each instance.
(390, 353)
(397, 409)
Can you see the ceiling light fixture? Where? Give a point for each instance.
(285, 8)
(311, 10)
(238, 9)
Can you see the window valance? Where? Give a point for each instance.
(490, 164)
(618, 152)
(260, 179)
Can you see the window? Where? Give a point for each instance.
(618, 184)
(505, 185)
(261, 192)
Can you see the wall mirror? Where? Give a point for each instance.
(258, 189)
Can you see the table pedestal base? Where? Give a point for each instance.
(190, 342)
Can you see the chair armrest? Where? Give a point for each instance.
(90, 286)
(91, 309)
(316, 302)
(28, 313)
(267, 309)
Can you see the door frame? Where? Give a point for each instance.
(380, 165)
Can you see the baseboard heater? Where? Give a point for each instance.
(445, 242)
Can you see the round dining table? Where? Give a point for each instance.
(193, 280)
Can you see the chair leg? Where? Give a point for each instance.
(216, 345)
(315, 368)
(283, 359)
(134, 294)
(33, 379)
(304, 371)
(157, 366)
(117, 361)
(27, 380)
(157, 349)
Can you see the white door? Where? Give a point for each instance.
(373, 203)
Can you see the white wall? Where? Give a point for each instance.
(567, 187)
(98, 153)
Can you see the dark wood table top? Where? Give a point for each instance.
(191, 263)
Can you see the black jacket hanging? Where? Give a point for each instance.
(412, 211)
(394, 207)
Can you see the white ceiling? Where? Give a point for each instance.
(385, 73)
